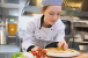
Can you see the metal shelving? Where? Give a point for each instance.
(80, 26)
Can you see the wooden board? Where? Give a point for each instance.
(80, 56)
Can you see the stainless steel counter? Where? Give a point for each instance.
(84, 51)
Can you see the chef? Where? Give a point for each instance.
(45, 30)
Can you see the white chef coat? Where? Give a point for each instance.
(42, 37)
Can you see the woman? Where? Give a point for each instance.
(45, 30)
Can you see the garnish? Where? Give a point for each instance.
(39, 53)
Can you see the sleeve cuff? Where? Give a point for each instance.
(30, 47)
(53, 44)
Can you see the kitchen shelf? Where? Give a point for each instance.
(81, 24)
(85, 39)
(81, 28)
(83, 43)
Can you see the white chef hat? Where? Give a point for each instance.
(52, 2)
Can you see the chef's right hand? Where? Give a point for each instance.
(35, 48)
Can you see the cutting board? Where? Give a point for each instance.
(81, 55)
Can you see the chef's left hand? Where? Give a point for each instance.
(63, 44)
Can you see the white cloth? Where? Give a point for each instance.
(43, 36)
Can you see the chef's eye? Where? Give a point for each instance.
(58, 14)
(51, 14)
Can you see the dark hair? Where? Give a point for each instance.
(44, 8)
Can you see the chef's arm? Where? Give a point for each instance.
(29, 39)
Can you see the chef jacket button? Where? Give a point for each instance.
(39, 37)
(51, 29)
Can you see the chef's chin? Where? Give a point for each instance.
(52, 24)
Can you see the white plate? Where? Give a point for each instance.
(27, 55)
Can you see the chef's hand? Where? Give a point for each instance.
(36, 48)
(63, 44)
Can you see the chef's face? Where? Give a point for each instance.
(51, 14)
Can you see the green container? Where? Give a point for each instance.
(17, 55)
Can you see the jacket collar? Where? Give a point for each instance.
(41, 22)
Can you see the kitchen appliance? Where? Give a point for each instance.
(67, 27)
(2, 35)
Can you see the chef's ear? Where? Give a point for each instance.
(42, 11)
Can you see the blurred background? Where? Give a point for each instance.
(15, 14)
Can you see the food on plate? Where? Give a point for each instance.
(54, 52)
(60, 52)
(40, 53)
(34, 53)
(60, 48)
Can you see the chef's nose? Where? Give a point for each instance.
(55, 17)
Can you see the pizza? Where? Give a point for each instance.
(55, 52)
